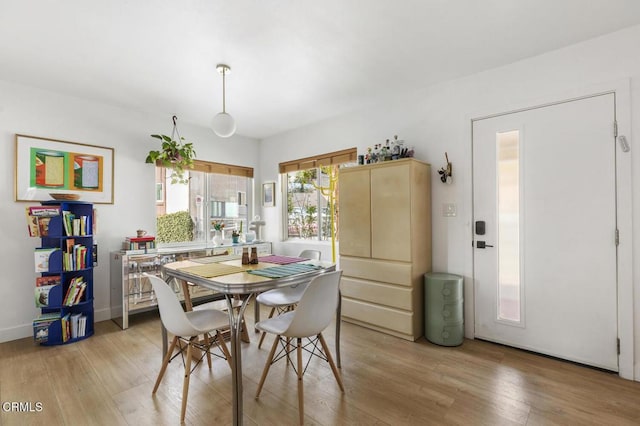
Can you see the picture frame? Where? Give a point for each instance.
(268, 194)
(68, 170)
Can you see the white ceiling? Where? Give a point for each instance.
(293, 62)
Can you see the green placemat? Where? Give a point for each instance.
(212, 270)
(284, 270)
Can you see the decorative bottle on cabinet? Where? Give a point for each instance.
(385, 245)
(64, 289)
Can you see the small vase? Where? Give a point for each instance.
(235, 239)
(217, 238)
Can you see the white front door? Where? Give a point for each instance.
(544, 188)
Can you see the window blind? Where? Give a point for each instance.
(220, 168)
(328, 159)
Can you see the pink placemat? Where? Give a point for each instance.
(281, 260)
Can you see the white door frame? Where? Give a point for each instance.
(622, 92)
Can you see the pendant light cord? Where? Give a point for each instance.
(224, 72)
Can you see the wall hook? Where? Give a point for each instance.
(446, 171)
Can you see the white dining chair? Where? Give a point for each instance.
(186, 328)
(313, 314)
(284, 299)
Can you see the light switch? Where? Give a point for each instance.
(448, 209)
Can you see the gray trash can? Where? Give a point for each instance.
(443, 308)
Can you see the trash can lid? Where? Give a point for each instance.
(443, 276)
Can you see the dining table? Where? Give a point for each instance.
(237, 281)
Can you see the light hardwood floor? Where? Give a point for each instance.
(107, 379)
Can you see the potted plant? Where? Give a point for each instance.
(176, 154)
(218, 226)
(235, 235)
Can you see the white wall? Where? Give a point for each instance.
(437, 119)
(36, 112)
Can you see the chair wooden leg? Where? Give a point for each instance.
(185, 383)
(223, 347)
(300, 383)
(165, 362)
(336, 373)
(244, 333)
(207, 341)
(267, 365)
(262, 336)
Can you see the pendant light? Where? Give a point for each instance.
(223, 124)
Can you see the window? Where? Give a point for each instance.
(509, 283)
(312, 192)
(216, 192)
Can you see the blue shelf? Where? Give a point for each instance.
(57, 238)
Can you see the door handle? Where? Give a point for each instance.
(482, 244)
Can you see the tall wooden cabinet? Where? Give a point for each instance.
(385, 245)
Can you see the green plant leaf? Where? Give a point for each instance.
(173, 155)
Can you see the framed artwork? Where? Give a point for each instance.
(48, 169)
(268, 194)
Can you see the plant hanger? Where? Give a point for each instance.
(175, 154)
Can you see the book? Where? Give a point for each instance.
(75, 323)
(66, 327)
(43, 226)
(71, 291)
(48, 280)
(32, 224)
(44, 211)
(69, 243)
(38, 218)
(41, 326)
(67, 221)
(41, 331)
(82, 326)
(42, 295)
(94, 255)
(78, 298)
(41, 257)
(140, 239)
(50, 316)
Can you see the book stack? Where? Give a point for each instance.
(74, 257)
(78, 325)
(140, 245)
(41, 326)
(74, 225)
(38, 218)
(75, 291)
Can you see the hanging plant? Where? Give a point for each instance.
(176, 154)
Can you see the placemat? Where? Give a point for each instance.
(217, 258)
(285, 270)
(281, 260)
(212, 270)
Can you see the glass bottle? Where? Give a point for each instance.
(245, 255)
(254, 255)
